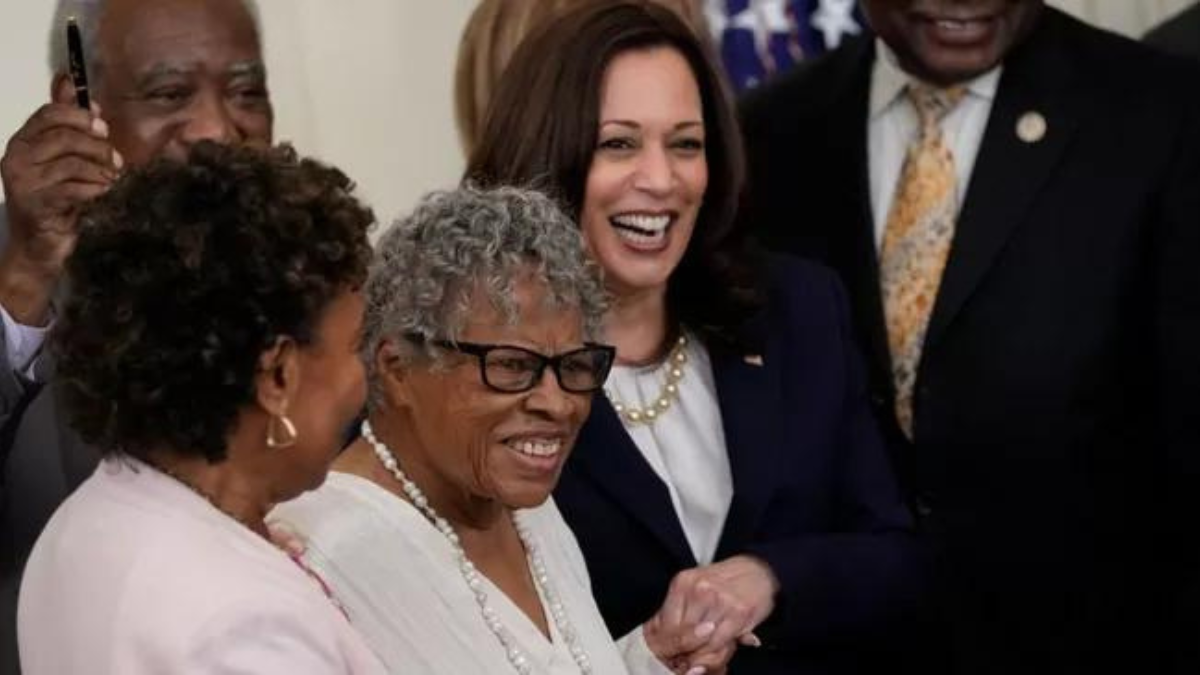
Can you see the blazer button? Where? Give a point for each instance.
(878, 401)
(923, 505)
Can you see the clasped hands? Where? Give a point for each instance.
(709, 612)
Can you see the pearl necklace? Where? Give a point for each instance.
(471, 575)
(670, 390)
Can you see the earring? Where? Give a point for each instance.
(274, 442)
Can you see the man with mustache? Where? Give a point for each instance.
(1013, 199)
(164, 75)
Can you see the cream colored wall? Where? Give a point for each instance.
(1132, 17)
(23, 73)
(366, 84)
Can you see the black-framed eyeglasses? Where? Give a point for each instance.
(512, 370)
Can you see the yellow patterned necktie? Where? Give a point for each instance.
(916, 242)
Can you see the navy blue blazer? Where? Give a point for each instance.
(814, 493)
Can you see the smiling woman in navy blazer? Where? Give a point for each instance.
(734, 472)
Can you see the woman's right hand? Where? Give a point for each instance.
(699, 626)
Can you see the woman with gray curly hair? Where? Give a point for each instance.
(436, 529)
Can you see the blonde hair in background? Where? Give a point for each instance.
(492, 34)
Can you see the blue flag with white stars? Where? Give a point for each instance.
(759, 38)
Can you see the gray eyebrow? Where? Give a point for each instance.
(165, 69)
(253, 68)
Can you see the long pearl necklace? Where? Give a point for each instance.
(471, 575)
(674, 364)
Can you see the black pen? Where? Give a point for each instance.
(75, 65)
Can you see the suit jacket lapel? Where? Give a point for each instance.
(79, 460)
(619, 468)
(748, 396)
(1009, 171)
(847, 118)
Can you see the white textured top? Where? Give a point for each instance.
(137, 575)
(397, 577)
(685, 446)
(892, 127)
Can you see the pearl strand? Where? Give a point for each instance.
(473, 578)
(670, 390)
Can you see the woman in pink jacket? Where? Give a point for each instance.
(211, 356)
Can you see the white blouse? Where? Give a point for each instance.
(398, 579)
(685, 445)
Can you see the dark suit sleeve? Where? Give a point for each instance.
(13, 393)
(765, 141)
(1176, 269)
(860, 581)
(15, 390)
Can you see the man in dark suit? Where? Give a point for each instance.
(187, 71)
(1013, 199)
(1180, 34)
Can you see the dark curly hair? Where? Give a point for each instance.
(183, 275)
(542, 126)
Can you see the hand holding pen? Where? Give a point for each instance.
(77, 66)
(60, 159)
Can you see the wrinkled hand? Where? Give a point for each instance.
(57, 162)
(709, 611)
(681, 633)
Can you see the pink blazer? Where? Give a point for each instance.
(137, 574)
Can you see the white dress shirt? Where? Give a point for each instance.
(892, 127)
(685, 446)
(22, 344)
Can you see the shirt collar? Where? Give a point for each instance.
(888, 81)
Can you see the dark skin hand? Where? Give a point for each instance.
(58, 161)
(175, 72)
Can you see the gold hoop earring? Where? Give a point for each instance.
(274, 442)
